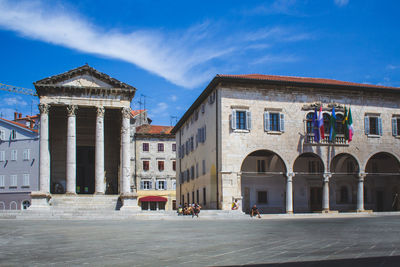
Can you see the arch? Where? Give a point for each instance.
(383, 162)
(341, 164)
(263, 181)
(308, 163)
(272, 158)
(13, 205)
(25, 204)
(2, 205)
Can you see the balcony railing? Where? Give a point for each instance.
(340, 140)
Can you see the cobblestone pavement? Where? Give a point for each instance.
(357, 241)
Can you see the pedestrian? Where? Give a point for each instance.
(254, 211)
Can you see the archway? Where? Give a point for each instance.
(307, 183)
(382, 183)
(13, 205)
(2, 205)
(343, 184)
(263, 182)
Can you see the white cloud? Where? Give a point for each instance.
(276, 59)
(186, 58)
(173, 98)
(392, 67)
(341, 2)
(160, 110)
(285, 7)
(13, 101)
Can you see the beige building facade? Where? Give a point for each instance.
(249, 138)
(154, 167)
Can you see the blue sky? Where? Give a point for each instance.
(170, 50)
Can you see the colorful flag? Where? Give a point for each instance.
(332, 131)
(315, 126)
(350, 125)
(346, 124)
(321, 123)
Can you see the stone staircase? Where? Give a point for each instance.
(85, 203)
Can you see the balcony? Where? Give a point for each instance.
(340, 140)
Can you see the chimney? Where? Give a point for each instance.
(20, 115)
(15, 116)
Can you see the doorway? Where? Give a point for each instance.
(379, 200)
(316, 198)
(85, 169)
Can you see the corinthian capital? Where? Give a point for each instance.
(44, 108)
(71, 109)
(100, 111)
(126, 113)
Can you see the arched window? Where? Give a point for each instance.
(25, 204)
(339, 124)
(2, 205)
(344, 195)
(13, 205)
(327, 119)
(309, 122)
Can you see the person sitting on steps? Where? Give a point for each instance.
(254, 211)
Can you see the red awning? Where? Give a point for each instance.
(153, 199)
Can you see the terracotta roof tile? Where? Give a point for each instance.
(300, 80)
(154, 129)
(20, 125)
(137, 112)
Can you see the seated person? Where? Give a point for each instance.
(255, 211)
(180, 210)
(235, 205)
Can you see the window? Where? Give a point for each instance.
(197, 196)
(241, 120)
(13, 180)
(201, 135)
(173, 147)
(13, 135)
(173, 184)
(161, 185)
(183, 200)
(373, 125)
(260, 165)
(14, 155)
(339, 124)
(146, 185)
(262, 197)
(174, 165)
(2, 156)
(160, 147)
(188, 199)
(327, 121)
(146, 164)
(192, 172)
(344, 194)
(145, 147)
(26, 154)
(274, 121)
(396, 126)
(204, 167)
(197, 170)
(309, 122)
(160, 165)
(2, 177)
(204, 196)
(2, 135)
(193, 197)
(25, 204)
(203, 108)
(25, 181)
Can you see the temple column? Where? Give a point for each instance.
(129, 199)
(289, 192)
(71, 150)
(360, 192)
(325, 192)
(99, 150)
(39, 199)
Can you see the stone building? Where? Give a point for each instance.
(85, 138)
(250, 138)
(154, 167)
(19, 160)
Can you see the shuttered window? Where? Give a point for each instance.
(396, 126)
(373, 125)
(241, 120)
(274, 122)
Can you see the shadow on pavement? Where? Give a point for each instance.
(362, 262)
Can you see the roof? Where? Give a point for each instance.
(19, 125)
(137, 112)
(148, 129)
(278, 80)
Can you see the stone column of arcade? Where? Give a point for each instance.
(360, 192)
(71, 150)
(99, 150)
(40, 199)
(325, 192)
(289, 192)
(129, 199)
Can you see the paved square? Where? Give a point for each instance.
(199, 242)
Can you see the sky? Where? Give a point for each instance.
(171, 50)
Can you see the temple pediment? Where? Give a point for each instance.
(83, 80)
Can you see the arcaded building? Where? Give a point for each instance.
(250, 138)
